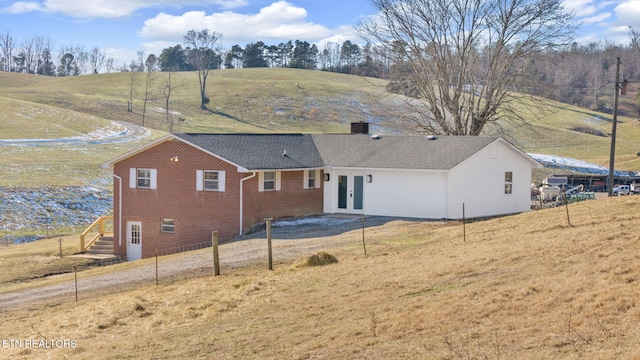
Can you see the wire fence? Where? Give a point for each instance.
(79, 283)
(36, 230)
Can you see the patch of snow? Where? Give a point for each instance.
(558, 162)
(103, 133)
(163, 110)
(125, 132)
(327, 221)
(40, 207)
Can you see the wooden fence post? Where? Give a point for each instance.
(268, 224)
(75, 276)
(464, 225)
(566, 202)
(156, 268)
(364, 245)
(216, 260)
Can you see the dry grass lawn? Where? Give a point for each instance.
(528, 286)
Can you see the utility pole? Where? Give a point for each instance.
(612, 153)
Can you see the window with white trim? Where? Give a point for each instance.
(269, 181)
(508, 182)
(311, 179)
(143, 178)
(210, 180)
(167, 226)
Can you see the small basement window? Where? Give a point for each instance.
(167, 226)
(508, 182)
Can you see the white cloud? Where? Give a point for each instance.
(21, 7)
(596, 18)
(275, 22)
(628, 13)
(92, 9)
(339, 36)
(109, 9)
(580, 8)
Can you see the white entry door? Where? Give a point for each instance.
(351, 193)
(134, 240)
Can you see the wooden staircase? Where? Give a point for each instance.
(98, 245)
(102, 246)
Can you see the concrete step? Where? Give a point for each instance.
(100, 248)
(99, 251)
(102, 244)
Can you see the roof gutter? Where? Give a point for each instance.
(119, 209)
(241, 200)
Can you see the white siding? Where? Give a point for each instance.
(330, 192)
(478, 182)
(406, 193)
(402, 193)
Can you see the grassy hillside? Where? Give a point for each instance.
(247, 100)
(251, 100)
(529, 286)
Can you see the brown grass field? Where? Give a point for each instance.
(528, 286)
(539, 285)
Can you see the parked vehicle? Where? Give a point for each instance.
(635, 188)
(549, 193)
(621, 190)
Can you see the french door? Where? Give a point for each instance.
(351, 193)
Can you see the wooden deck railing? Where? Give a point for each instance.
(101, 223)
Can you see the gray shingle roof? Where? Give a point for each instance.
(260, 151)
(266, 151)
(398, 152)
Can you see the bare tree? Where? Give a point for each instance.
(7, 45)
(82, 59)
(147, 82)
(96, 59)
(79, 56)
(635, 38)
(463, 60)
(140, 60)
(203, 57)
(29, 52)
(169, 86)
(110, 66)
(132, 81)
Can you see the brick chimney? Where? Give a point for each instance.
(361, 127)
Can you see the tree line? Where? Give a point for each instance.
(35, 55)
(463, 73)
(565, 74)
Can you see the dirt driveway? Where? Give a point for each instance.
(291, 239)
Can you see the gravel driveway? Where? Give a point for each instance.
(291, 240)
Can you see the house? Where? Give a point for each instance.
(171, 194)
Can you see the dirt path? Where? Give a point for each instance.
(291, 240)
(128, 132)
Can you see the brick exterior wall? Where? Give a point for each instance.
(198, 213)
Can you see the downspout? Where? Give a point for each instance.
(241, 199)
(119, 209)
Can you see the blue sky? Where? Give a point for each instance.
(120, 28)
